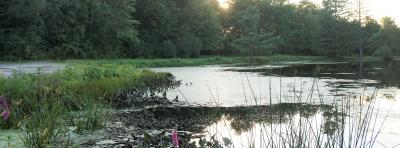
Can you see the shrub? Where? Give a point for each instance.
(385, 52)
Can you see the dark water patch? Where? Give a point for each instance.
(385, 72)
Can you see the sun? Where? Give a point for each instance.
(224, 4)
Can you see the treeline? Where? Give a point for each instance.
(42, 29)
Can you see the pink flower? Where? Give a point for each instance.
(175, 139)
(5, 115)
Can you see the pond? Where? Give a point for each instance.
(345, 84)
(281, 105)
(7, 69)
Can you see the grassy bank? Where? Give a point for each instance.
(215, 60)
(208, 60)
(179, 62)
(42, 105)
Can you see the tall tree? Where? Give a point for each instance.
(252, 38)
(360, 15)
(370, 30)
(20, 28)
(338, 8)
(309, 33)
(390, 34)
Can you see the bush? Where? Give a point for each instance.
(385, 52)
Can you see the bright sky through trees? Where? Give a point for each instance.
(224, 4)
(377, 8)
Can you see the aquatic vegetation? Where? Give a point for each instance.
(345, 123)
(177, 62)
(44, 104)
(43, 127)
(92, 118)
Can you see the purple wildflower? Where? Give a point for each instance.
(3, 103)
(175, 139)
(4, 107)
(5, 115)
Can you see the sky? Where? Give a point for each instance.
(377, 8)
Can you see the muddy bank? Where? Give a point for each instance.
(153, 126)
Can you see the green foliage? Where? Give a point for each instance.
(177, 28)
(93, 117)
(37, 29)
(40, 29)
(337, 8)
(179, 62)
(385, 52)
(389, 35)
(84, 88)
(43, 127)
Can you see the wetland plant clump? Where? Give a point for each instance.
(42, 106)
(134, 97)
(155, 126)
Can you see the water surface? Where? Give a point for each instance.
(7, 69)
(333, 83)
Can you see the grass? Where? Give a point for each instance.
(215, 60)
(179, 62)
(43, 105)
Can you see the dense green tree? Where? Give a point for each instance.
(337, 8)
(281, 20)
(20, 28)
(369, 33)
(360, 12)
(194, 22)
(252, 38)
(308, 39)
(33, 29)
(38, 29)
(389, 35)
(338, 37)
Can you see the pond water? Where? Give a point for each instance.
(345, 84)
(361, 89)
(7, 69)
(9, 138)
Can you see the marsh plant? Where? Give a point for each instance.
(92, 118)
(43, 105)
(43, 127)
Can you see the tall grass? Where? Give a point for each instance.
(44, 126)
(43, 105)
